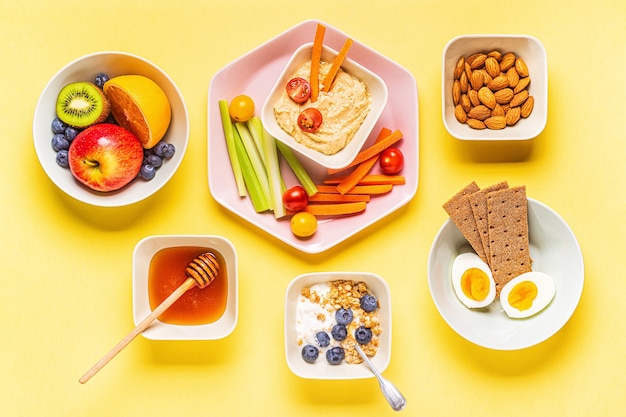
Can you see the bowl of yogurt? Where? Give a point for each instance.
(326, 314)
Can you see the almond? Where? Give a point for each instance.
(495, 54)
(468, 70)
(478, 61)
(486, 77)
(465, 102)
(521, 67)
(492, 67)
(477, 80)
(456, 92)
(463, 82)
(519, 98)
(485, 95)
(498, 83)
(508, 60)
(459, 113)
(459, 68)
(473, 97)
(496, 122)
(504, 96)
(497, 111)
(522, 84)
(480, 112)
(475, 124)
(513, 77)
(527, 107)
(513, 115)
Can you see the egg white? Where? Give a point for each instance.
(545, 293)
(462, 263)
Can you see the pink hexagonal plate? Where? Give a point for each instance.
(254, 74)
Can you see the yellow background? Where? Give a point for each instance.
(66, 267)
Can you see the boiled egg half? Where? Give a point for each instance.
(527, 294)
(472, 281)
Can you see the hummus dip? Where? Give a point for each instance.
(343, 110)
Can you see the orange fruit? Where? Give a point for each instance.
(139, 105)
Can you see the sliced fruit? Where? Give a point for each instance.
(141, 106)
(82, 104)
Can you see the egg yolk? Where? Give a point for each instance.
(475, 284)
(522, 295)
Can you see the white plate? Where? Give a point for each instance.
(254, 74)
(554, 250)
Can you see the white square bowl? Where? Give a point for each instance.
(531, 50)
(142, 256)
(374, 84)
(321, 369)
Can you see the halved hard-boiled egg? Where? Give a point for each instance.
(527, 294)
(472, 281)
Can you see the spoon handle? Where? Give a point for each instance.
(392, 394)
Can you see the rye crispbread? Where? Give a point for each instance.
(507, 216)
(460, 212)
(478, 203)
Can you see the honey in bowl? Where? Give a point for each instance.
(196, 306)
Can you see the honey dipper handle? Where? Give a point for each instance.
(160, 309)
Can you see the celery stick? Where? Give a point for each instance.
(256, 130)
(297, 168)
(227, 124)
(272, 167)
(258, 198)
(255, 159)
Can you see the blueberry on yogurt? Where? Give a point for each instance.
(310, 353)
(368, 303)
(343, 316)
(363, 335)
(323, 339)
(335, 355)
(339, 332)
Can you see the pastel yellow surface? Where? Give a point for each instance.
(65, 297)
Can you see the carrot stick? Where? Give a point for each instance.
(335, 209)
(359, 189)
(338, 198)
(375, 149)
(371, 179)
(330, 77)
(316, 57)
(364, 167)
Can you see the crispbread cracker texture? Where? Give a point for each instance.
(478, 203)
(460, 212)
(507, 215)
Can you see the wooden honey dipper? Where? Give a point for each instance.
(201, 272)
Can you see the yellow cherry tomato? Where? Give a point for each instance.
(303, 224)
(241, 108)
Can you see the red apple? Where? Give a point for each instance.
(105, 157)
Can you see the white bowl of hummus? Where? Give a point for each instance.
(350, 109)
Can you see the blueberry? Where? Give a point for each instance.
(100, 79)
(160, 148)
(343, 316)
(368, 303)
(58, 126)
(339, 332)
(323, 339)
(170, 151)
(154, 160)
(147, 172)
(310, 353)
(62, 159)
(363, 335)
(59, 142)
(335, 355)
(70, 133)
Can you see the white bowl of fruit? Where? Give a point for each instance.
(110, 129)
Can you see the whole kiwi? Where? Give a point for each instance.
(81, 104)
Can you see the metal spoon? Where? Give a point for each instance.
(392, 394)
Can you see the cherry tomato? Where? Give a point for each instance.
(391, 161)
(241, 108)
(299, 89)
(303, 224)
(310, 120)
(295, 198)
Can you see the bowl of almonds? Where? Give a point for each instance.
(494, 87)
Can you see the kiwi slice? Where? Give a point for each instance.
(82, 104)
